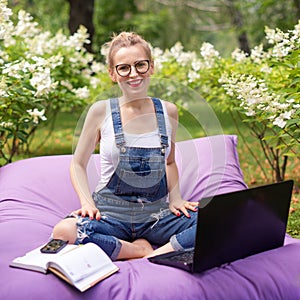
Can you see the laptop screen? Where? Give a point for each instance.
(235, 225)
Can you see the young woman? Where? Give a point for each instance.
(137, 202)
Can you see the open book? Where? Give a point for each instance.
(82, 266)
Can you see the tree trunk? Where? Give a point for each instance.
(237, 21)
(297, 7)
(81, 13)
(243, 42)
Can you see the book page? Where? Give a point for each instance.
(84, 262)
(37, 261)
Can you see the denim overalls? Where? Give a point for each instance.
(134, 202)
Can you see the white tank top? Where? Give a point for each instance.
(109, 153)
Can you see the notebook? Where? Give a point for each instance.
(235, 225)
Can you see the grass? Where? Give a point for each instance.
(60, 140)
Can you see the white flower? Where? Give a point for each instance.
(97, 67)
(36, 114)
(26, 27)
(296, 106)
(275, 36)
(160, 58)
(280, 50)
(250, 113)
(5, 12)
(296, 32)
(157, 52)
(239, 55)
(94, 81)
(13, 69)
(266, 69)
(193, 76)
(3, 88)
(186, 58)
(258, 54)
(41, 80)
(209, 54)
(182, 58)
(207, 50)
(6, 25)
(39, 44)
(6, 124)
(66, 84)
(104, 50)
(196, 65)
(79, 38)
(288, 114)
(280, 122)
(82, 93)
(86, 73)
(176, 50)
(290, 100)
(59, 39)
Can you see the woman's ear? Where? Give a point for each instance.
(112, 75)
(151, 67)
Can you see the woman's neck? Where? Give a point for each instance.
(135, 103)
(138, 116)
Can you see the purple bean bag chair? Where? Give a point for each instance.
(36, 193)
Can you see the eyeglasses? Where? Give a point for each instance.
(141, 67)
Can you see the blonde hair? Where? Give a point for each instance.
(125, 39)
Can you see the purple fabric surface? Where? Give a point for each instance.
(36, 193)
(209, 166)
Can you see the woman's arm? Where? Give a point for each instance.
(177, 204)
(88, 140)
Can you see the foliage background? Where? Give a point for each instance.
(164, 22)
(205, 59)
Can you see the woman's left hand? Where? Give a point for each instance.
(180, 205)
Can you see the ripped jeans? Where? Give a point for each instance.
(106, 232)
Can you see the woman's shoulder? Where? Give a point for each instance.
(98, 109)
(171, 108)
(96, 113)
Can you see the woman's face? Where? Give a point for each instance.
(130, 70)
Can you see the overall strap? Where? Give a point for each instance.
(117, 123)
(161, 122)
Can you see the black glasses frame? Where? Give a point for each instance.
(130, 67)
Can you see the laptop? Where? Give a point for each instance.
(235, 225)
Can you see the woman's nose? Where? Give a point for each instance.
(133, 72)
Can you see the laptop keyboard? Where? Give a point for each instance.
(186, 257)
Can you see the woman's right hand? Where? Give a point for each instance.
(88, 210)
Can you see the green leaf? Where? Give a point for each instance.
(22, 136)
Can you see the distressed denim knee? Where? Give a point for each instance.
(86, 234)
(185, 239)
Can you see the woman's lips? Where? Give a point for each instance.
(134, 83)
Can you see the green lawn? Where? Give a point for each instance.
(61, 139)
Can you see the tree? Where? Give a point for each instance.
(237, 20)
(112, 16)
(81, 13)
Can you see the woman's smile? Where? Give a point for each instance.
(135, 83)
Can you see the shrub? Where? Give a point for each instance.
(41, 74)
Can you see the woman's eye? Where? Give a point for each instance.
(124, 68)
(141, 64)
